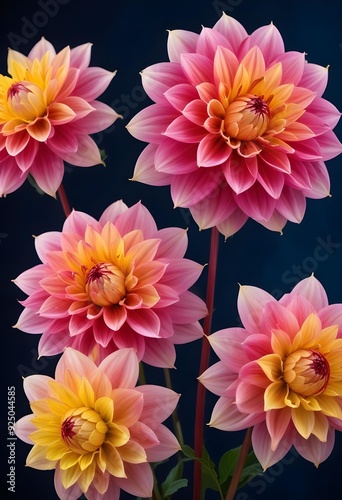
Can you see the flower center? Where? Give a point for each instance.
(307, 372)
(246, 118)
(16, 89)
(84, 430)
(105, 284)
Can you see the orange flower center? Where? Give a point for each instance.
(105, 284)
(246, 118)
(307, 372)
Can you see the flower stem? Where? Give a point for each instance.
(64, 200)
(246, 445)
(175, 419)
(199, 420)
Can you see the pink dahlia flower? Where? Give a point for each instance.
(113, 283)
(281, 373)
(96, 428)
(47, 109)
(238, 129)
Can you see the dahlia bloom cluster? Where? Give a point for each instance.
(48, 108)
(96, 428)
(239, 127)
(114, 283)
(282, 373)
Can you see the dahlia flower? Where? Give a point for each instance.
(281, 373)
(95, 428)
(47, 110)
(113, 283)
(238, 129)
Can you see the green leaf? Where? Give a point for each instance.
(174, 480)
(228, 463)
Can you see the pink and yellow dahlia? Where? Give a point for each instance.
(96, 428)
(281, 373)
(113, 283)
(48, 108)
(238, 129)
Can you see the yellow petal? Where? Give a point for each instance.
(104, 407)
(275, 395)
(272, 366)
(37, 459)
(70, 476)
(114, 464)
(303, 420)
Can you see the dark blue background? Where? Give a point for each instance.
(128, 36)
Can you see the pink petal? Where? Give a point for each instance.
(232, 30)
(15, 143)
(27, 155)
(72, 493)
(215, 209)
(24, 427)
(298, 305)
(212, 150)
(47, 242)
(50, 345)
(127, 338)
(39, 129)
(77, 223)
(330, 145)
(168, 445)
(86, 155)
(308, 150)
(30, 322)
(183, 130)
(145, 171)
(157, 79)
(237, 171)
(256, 203)
(275, 223)
(11, 177)
(314, 450)
(331, 315)
(251, 301)
(180, 95)
(249, 398)
(39, 50)
(137, 217)
(128, 405)
(276, 159)
(180, 41)
(227, 417)
(313, 291)
(159, 352)
(159, 403)
(139, 481)
(271, 180)
(100, 118)
(291, 204)
(189, 189)
(28, 281)
(74, 361)
(217, 378)
(47, 170)
(292, 65)
(277, 422)
(314, 78)
(181, 274)
(122, 368)
(274, 316)
(64, 140)
(112, 212)
(173, 243)
(80, 56)
(227, 344)
(327, 112)
(37, 387)
(319, 180)
(92, 82)
(261, 442)
(149, 124)
(144, 321)
(209, 41)
(115, 317)
(187, 333)
(170, 158)
(197, 68)
(269, 41)
(190, 308)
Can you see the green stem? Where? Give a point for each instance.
(246, 445)
(175, 419)
(199, 419)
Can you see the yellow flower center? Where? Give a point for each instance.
(105, 284)
(84, 431)
(306, 372)
(25, 101)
